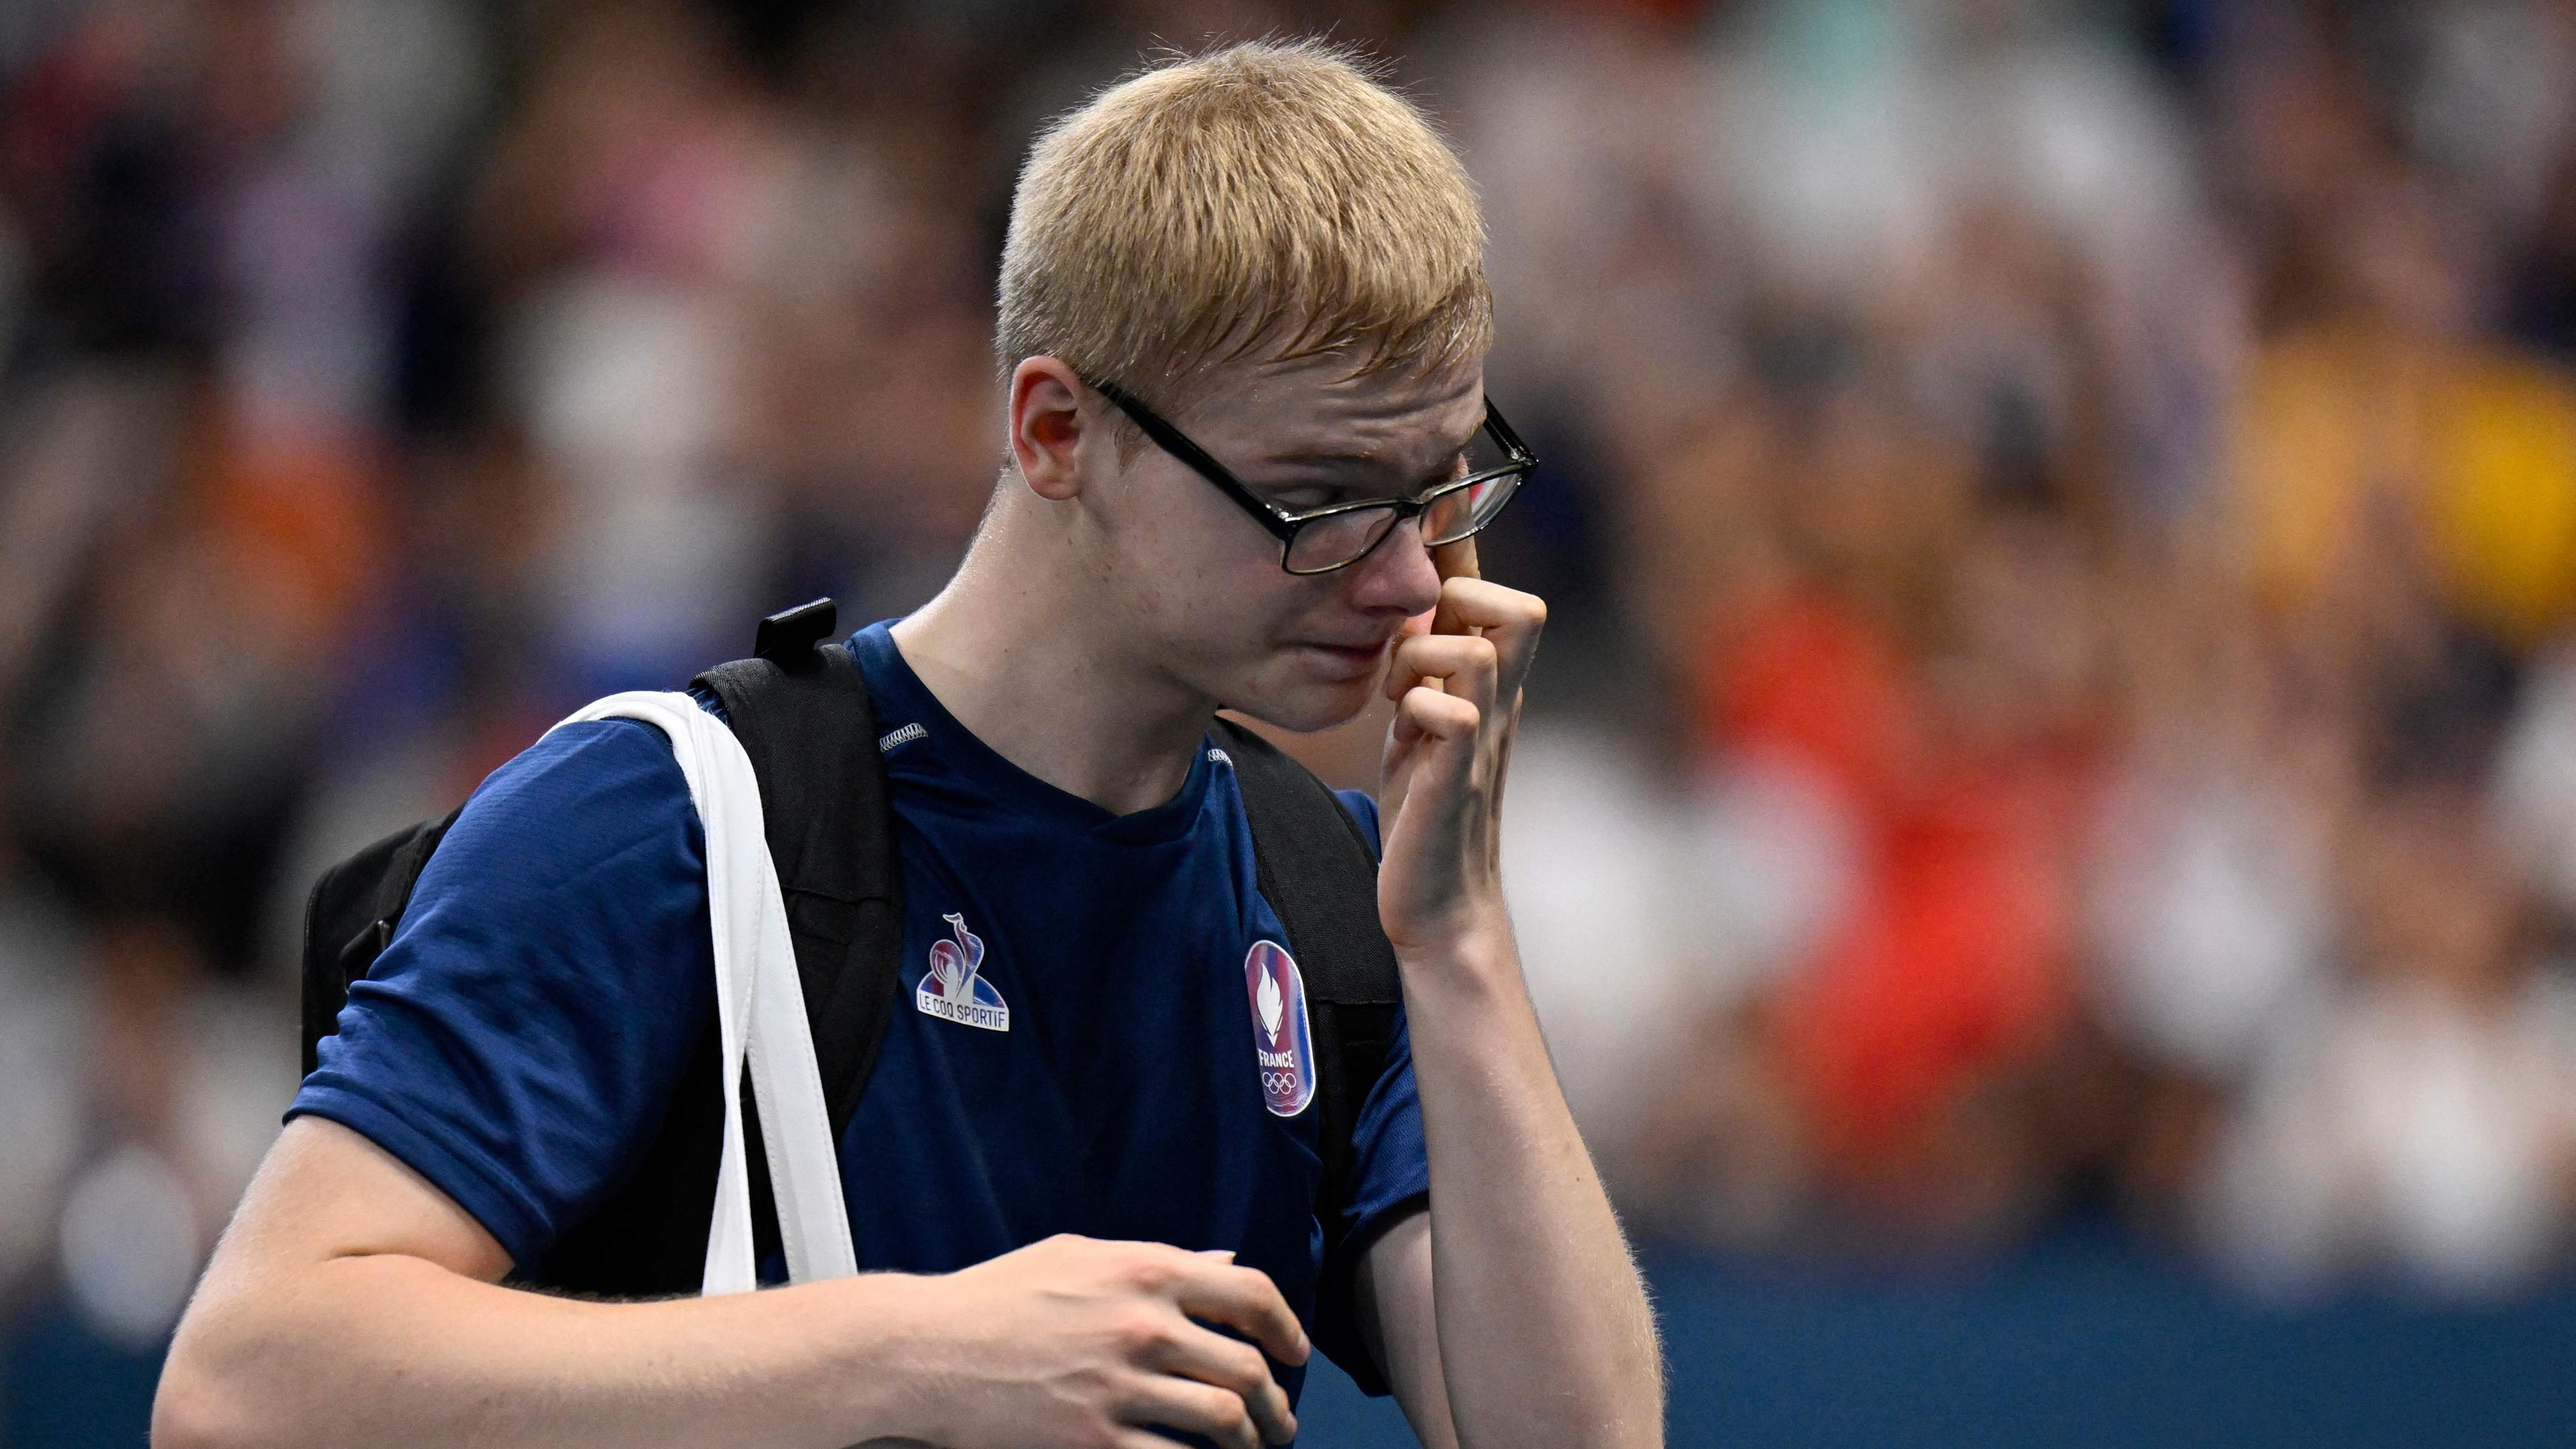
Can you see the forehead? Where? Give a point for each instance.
(1314, 408)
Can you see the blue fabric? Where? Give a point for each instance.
(518, 1040)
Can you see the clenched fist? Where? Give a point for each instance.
(1082, 1343)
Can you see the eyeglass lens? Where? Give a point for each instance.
(1336, 539)
(1453, 516)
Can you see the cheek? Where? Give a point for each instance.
(1188, 577)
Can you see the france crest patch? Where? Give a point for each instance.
(1282, 1042)
(955, 989)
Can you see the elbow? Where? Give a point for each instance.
(190, 1412)
(198, 1405)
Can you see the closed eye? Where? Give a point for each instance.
(1307, 497)
(1306, 500)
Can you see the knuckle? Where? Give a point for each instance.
(1102, 1380)
(1141, 1332)
(1219, 1414)
(1220, 1411)
(1152, 1272)
(1246, 1371)
(1099, 1386)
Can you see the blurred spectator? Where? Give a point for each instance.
(2534, 792)
(2061, 521)
(2425, 1119)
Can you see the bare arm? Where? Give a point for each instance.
(352, 1302)
(350, 1297)
(1512, 1314)
(1539, 1332)
(1396, 1325)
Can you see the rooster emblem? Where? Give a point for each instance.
(954, 963)
(955, 988)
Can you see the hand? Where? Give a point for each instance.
(1456, 679)
(1080, 1342)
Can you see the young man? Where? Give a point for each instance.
(1278, 257)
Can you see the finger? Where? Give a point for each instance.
(1235, 1367)
(1446, 616)
(1456, 664)
(1426, 713)
(1195, 1408)
(1457, 560)
(1483, 604)
(1512, 619)
(1503, 772)
(1245, 1299)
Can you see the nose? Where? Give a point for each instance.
(1397, 576)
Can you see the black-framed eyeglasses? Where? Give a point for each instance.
(1320, 540)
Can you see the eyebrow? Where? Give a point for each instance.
(1349, 458)
(1322, 458)
(1340, 491)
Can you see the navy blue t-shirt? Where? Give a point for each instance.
(1097, 1033)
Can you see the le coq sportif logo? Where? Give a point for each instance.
(955, 988)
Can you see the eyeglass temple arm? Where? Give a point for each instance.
(1171, 440)
(1505, 434)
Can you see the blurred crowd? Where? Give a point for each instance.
(2060, 522)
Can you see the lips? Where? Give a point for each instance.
(1356, 653)
(1349, 661)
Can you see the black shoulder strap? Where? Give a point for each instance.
(802, 714)
(350, 917)
(1317, 871)
(800, 708)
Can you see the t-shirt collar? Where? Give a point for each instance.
(902, 699)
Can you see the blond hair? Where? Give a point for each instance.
(1268, 198)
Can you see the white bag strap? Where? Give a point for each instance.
(760, 1011)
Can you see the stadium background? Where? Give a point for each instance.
(2046, 831)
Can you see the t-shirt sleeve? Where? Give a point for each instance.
(1390, 1172)
(519, 1039)
(1363, 808)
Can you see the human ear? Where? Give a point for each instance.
(1046, 426)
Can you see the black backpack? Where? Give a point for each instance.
(801, 710)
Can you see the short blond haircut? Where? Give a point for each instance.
(1268, 199)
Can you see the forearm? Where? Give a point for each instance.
(387, 1348)
(1544, 1330)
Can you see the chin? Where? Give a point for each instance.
(1302, 704)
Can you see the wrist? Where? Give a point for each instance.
(1476, 956)
(881, 1363)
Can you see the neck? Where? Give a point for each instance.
(1018, 649)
